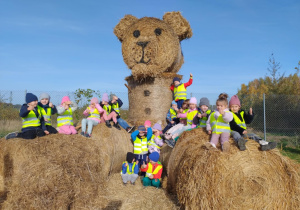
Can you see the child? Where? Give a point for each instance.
(140, 142)
(110, 114)
(47, 109)
(204, 112)
(65, 117)
(238, 126)
(218, 124)
(179, 90)
(153, 171)
(130, 169)
(116, 104)
(172, 116)
(93, 112)
(156, 141)
(190, 114)
(33, 122)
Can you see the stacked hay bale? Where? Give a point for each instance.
(251, 179)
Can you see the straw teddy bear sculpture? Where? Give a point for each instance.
(151, 46)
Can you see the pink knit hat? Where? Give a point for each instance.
(105, 97)
(94, 100)
(65, 99)
(147, 123)
(193, 100)
(234, 101)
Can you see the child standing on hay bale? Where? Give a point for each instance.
(47, 109)
(172, 119)
(239, 129)
(179, 90)
(153, 171)
(204, 112)
(218, 124)
(33, 122)
(156, 142)
(190, 114)
(116, 103)
(130, 169)
(65, 116)
(140, 142)
(110, 114)
(93, 112)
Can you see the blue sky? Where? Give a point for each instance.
(69, 44)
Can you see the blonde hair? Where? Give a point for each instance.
(223, 99)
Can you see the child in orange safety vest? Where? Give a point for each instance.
(153, 171)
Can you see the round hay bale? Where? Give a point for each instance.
(60, 171)
(251, 179)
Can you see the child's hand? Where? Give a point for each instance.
(204, 115)
(250, 111)
(137, 162)
(221, 111)
(46, 120)
(209, 132)
(151, 176)
(115, 98)
(144, 165)
(51, 105)
(177, 115)
(180, 110)
(176, 109)
(66, 106)
(46, 132)
(244, 132)
(172, 122)
(30, 108)
(87, 111)
(191, 75)
(126, 164)
(199, 115)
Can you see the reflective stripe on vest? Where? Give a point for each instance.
(152, 142)
(107, 108)
(184, 111)
(140, 145)
(204, 119)
(150, 169)
(173, 113)
(46, 114)
(240, 123)
(116, 107)
(66, 118)
(190, 116)
(218, 125)
(128, 171)
(94, 113)
(180, 92)
(31, 120)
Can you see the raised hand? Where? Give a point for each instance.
(30, 108)
(46, 132)
(51, 105)
(144, 165)
(209, 132)
(250, 111)
(126, 164)
(191, 75)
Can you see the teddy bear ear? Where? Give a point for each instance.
(180, 25)
(123, 25)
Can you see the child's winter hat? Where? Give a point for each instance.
(30, 97)
(176, 79)
(204, 101)
(44, 95)
(147, 123)
(154, 156)
(174, 102)
(157, 126)
(130, 156)
(234, 101)
(94, 100)
(142, 128)
(65, 99)
(193, 100)
(105, 97)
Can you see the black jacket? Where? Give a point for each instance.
(248, 119)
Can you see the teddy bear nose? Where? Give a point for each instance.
(142, 44)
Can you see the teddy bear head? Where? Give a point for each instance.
(151, 46)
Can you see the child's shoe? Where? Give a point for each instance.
(82, 133)
(133, 183)
(242, 144)
(87, 135)
(107, 123)
(226, 146)
(116, 125)
(269, 146)
(130, 129)
(11, 135)
(124, 184)
(170, 143)
(210, 146)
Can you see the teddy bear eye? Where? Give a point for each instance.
(136, 33)
(157, 31)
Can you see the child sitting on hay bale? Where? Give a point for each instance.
(218, 124)
(110, 114)
(33, 122)
(238, 126)
(204, 112)
(140, 142)
(130, 169)
(156, 142)
(116, 103)
(65, 116)
(153, 171)
(172, 119)
(93, 112)
(179, 90)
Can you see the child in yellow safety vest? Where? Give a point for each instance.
(204, 112)
(153, 171)
(130, 169)
(239, 129)
(156, 142)
(218, 125)
(171, 118)
(179, 90)
(65, 116)
(110, 114)
(93, 112)
(33, 122)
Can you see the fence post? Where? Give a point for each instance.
(265, 130)
(25, 95)
(191, 95)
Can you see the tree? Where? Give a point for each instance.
(80, 94)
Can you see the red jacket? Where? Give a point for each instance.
(155, 176)
(185, 84)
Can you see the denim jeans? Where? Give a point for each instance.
(90, 124)
(122, 123)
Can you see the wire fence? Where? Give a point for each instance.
(282, 112)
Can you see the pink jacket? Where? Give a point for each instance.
(183, 115)
(100, 110)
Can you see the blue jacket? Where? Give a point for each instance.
(169, 119)
(124, 168)
(136, 133)
(24, 112)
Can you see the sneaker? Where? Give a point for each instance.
(269, 146)
(107, 123)
(170, 143)
(87, 135)
(82, 133)
(226, 146)
(242, 144)
(116, 125)
(209, 146)
(124, 184)
(133, 183)
(130, 129)
(11, 135)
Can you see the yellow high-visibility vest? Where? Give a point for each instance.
(219, 125)
(128, 171)
(65, 118)
(31, 120)
(173, 113)
(107, 108)
(152, 142)
(94, 114)
(150, 169)
(203, 120)
(46, 114)
(116, 107)
(190, 116)
(240, 123)
(180, 92)
(140, 145)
